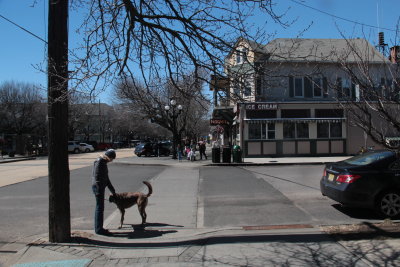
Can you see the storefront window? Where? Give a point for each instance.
(271, 130)
(255, 131)
(289, 130)
(302, 130)
(323, 130)
(293, 130)
(336, 129)
(259, 131)
(329, 130)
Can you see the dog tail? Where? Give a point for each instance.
(150, 188)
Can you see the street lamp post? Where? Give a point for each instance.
(175, 111)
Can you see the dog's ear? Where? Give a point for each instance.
(111, 198)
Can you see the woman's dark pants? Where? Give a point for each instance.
(99, 211)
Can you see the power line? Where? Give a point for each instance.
(22, 28)
(337, 17)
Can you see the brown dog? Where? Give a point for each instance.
(127, 200)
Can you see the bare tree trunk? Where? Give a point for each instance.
(59, 205)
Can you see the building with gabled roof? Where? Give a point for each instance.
(282, 98)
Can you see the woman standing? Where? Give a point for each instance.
(100, 181)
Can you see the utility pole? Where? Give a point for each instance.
(57, 68)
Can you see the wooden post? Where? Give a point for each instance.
(59, 203)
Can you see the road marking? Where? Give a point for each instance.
(200, 205)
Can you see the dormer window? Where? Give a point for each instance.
(241, 55)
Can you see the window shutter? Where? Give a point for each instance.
(325, 86)
(291, 86)
(353, 91)
(308, 87)
(339, 90)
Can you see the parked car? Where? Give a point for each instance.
(93, 143)
(152, 149)
(73, 146)
(370, 180)
(103, 146)
(86, 147)
(134, 143)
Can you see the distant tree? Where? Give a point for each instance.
(22, 111)
(149, 102)
(80, 112)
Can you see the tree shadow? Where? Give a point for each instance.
(305, 252)
(258, 249)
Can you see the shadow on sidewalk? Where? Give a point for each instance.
(307, 249)
(140, 232)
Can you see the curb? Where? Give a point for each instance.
(16, 159)
(228, 164)
(269, 163)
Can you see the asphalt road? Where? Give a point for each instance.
(230, 196)
(24, 206)
(271, 195)
(300, 185)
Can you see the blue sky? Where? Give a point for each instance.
(21, 54)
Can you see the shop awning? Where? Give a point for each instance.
(303, 120)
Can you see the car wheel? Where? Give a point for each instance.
(87, 150)
(76, 150)
(139, 155)
(388, 204)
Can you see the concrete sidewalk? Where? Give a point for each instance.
(175, 236)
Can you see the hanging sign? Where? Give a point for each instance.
(219, 122)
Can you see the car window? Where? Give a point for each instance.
(369, 157)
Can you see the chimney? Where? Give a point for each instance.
(381, 39)
(381, 44)
(395, 54)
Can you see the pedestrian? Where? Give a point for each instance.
(202, 149)
(187, 151)
(100, 181)
(179, 153)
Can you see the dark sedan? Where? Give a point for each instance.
(152, 149)
(370, 180)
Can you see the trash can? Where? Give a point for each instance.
(226, 155)
(216, 155)
(237, 154)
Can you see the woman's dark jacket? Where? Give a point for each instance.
(100, 175)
